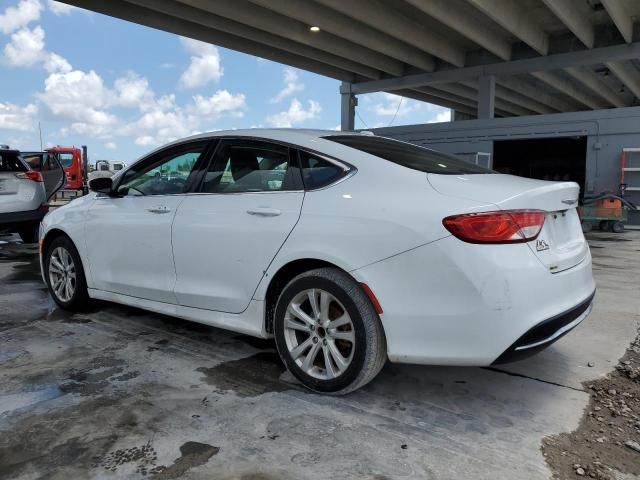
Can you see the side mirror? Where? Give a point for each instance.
(101, 185)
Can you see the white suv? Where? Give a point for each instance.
(25, 191)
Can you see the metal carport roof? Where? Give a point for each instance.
(518, 57)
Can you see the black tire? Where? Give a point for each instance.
(80, 298)
(369, 348)
(29, 233)
(617, 227)
(586, 227)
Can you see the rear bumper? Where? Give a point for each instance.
(455, 303)
(15, 218)
(547, 332)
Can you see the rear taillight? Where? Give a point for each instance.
(30, 175)
(506, 226)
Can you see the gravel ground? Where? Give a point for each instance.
(607, 442)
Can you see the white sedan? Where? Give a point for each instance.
(349, 249)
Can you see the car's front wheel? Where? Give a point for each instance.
(328, 333)
(65, 275)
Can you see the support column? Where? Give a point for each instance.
(486, 96)
(347, 107)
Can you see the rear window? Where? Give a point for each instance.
(10, 162)
(318, 172)
(409, 155)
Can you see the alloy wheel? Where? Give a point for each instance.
(62, 274)
(319, 334)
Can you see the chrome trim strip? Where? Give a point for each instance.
(559, 332)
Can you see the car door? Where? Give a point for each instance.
(128, 234)
(226, 235)
(50, 168)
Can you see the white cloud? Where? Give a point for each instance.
(291, 85)
(110, 145)
(79, 97)
(443, 116)
(133, 91)
(205, 64)
(59, 8)
(54, 63)
(20, 15)
(295, 114)
(391, 104)
(220, 102)
(16, 117)
(26, 49)
(145, 140)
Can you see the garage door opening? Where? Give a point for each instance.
(558, 159)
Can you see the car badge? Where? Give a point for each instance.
(570, 202)
(541, 245)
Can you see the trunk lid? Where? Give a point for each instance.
(561, 243)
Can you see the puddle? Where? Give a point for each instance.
(250, 376)
(192, 454)
(16, 401)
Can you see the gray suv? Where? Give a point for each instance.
(25, 189)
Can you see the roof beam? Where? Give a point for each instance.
(523, 87)
(471, 93)
(150, 18)
(512, 17)
(515, 98)
(514, 67)
(435, 99)
(620, 17)
(460, 21)
(628, 74)
(439, 93)
(562, 85)
(592, 80)
(228, 26)
(342, 26)
(243, 12)
(387, 20)
(570, 12)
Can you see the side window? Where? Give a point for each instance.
(163, 174)
(318, 172)
(248, 166)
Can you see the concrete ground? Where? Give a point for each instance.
(121, 393)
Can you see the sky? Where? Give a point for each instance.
(123, 89)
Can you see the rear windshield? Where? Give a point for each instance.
(10, 162)
(409, 155)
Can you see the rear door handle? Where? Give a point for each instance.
(264, 212)
(159, 209)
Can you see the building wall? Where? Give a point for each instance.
(607, 131)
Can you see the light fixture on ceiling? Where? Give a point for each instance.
(314, 29)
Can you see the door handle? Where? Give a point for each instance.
(160, 209)
(264, 212)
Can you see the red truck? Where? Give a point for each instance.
(74, 162)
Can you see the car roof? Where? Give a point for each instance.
(272, 133)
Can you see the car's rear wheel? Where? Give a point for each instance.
(29, 232)
(328, 333)
(65, 275)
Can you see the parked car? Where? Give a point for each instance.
(347, 248)
(25, 190)
(105, 168)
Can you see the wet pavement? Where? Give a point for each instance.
(122, 393)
